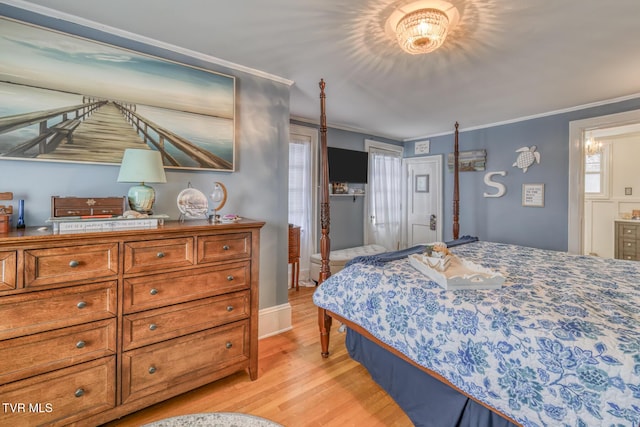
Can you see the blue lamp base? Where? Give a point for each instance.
(141, 198)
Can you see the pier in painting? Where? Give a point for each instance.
(100, 131)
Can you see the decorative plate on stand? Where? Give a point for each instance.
(192, 203)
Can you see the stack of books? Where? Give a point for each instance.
(101, 223)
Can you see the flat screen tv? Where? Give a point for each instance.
(347, 165)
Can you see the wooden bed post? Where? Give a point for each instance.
(324, 321)
(456, 190)
(325, 242)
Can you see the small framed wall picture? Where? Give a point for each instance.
(533, 195)
(421, 147)
(422, 184)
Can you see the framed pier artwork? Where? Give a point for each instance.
(70, 99)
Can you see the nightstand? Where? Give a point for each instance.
(294, 255)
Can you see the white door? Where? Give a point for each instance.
(383, 196)
(423, 187)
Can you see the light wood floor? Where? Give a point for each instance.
(295, 386)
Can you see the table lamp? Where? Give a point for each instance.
(140, 165)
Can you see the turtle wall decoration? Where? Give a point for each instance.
(526, 158)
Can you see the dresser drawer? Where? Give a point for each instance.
(224, 247)
(628, 246)
(628, 255)
(154, 291)
(63, 396)
(156, 367)
(162, 324)
(59, 265)
(7, 270)
(154, 255)
(628, 231)
(34, 312)
(36, 354)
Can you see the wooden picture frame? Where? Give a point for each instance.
(56, 87)
(469, 161)
(533, 195)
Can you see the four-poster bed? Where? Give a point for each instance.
(559, 344)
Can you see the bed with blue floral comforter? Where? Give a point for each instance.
(557, 345)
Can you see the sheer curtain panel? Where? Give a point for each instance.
(385, 197)
(300, 195)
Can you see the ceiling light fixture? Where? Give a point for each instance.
(422, 26)
(591, 147)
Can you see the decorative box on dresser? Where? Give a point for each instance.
(627, 239)
(94, 326)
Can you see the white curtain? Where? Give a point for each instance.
(300, 195)
(385, 197)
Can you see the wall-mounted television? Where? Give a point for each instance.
(347, 165)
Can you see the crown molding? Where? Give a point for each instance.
(535, 116)
(345, 128)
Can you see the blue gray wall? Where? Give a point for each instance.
(504, 219)
(257, 190)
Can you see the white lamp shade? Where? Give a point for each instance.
(141, 166)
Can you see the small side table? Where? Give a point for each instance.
(294, 255)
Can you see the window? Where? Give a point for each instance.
(593, 174)
(596, 173)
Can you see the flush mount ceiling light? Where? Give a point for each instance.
(421, 26)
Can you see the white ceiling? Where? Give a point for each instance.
(506, 59)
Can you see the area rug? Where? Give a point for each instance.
(214, 419)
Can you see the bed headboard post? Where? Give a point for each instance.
(325, 242)
(456, 187)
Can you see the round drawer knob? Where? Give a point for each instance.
(228, 344)
(81, 304)
(160, 255)
(79, 392)
(229, 308)
(73, 263)
(80, 344)
(628, 244)
(152, 369)
(153, 291)
(230, 277)
(225, 247)
(153, 327)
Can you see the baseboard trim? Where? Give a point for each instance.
(274, 320)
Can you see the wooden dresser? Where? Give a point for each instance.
(627, 241)
(94, 326)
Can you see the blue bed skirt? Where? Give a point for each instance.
(427, 401)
